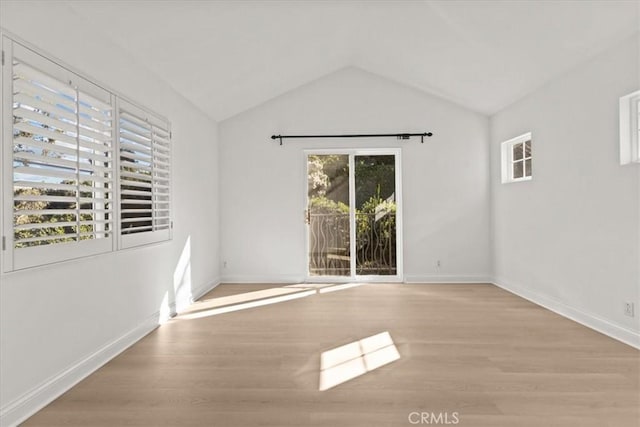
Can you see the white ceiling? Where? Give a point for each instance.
(228, 56)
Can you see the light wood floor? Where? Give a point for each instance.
(491, 357)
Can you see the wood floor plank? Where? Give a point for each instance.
(475, 350)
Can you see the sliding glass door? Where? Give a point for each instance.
(328, 215)
(353, 215)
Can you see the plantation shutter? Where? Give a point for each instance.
(145, 190)
(62, 146)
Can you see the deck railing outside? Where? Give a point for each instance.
(329, 248)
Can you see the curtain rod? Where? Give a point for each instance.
(360, 135)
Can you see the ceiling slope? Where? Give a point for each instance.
(228, 56)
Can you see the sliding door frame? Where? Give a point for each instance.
(352, 153)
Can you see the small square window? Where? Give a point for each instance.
(516, 159)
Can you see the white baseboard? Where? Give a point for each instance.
(589, 320)
(23, 407)
(29, 403)
(291, 278)
(280, 278)
(202, 290)
(446, 279)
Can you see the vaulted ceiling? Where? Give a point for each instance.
(228, 56)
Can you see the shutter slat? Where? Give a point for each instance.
(135, 139)
(54, 186)
(161, 152)
(135, 156)
(46, 160)
(159, 163)
(134, 119)
(39, 226)
(49, 146)
(126, 201)
(27, 73)
(92, 146)
(61, 212)
(43, 119)
(51, 173)
(124, 145)
(161, 142)
(45, 198)
(58, 163)
(136, 193)
(44, 212)
(128, 211)
(88, 167)
(26, 93)
(135, 180)
(136, 184)
(128, 129)
(136, 166)
(97, 123)
(66, 237)
(94, 134)
(139, 229)
(97, 107)
(134, 220)
(58, 136)
(100, 157)
(53, 112)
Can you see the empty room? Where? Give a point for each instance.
(320, 213)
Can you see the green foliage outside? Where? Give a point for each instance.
(375, 178)
(28, 212)
(56, 220)
(322, 205)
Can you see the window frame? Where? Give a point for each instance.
(508, 161)
(15, 259)
(629, 116)
(35, 255)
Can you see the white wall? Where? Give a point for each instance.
(445, 180)
(568, 239)
(52, 320)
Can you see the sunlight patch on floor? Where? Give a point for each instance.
(240, 298)
(341, 287)
(352, 360)
(214, 306)
(244, 306)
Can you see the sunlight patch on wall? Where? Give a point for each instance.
(165, 310)
(182, 278)
(352, 360)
